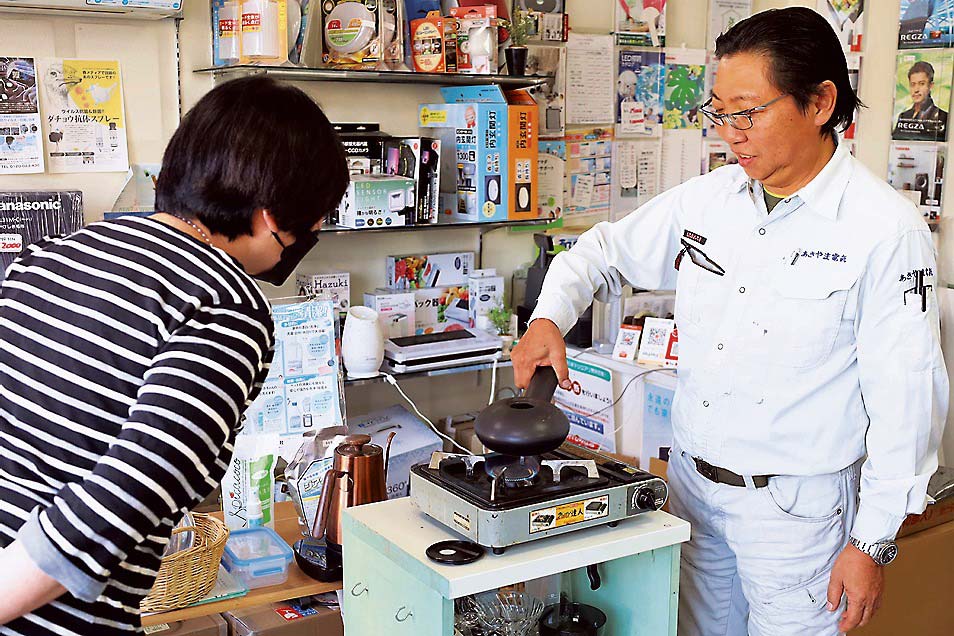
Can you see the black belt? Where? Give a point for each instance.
(727, 477)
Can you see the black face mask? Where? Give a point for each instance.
(291, 256)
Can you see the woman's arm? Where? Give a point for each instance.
(23, 586)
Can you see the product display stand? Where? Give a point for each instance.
(391, 587)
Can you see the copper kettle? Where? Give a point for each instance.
(358, 476)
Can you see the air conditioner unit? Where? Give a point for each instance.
(136, 9)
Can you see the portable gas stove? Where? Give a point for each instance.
(498, 500)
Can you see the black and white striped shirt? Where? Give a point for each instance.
(128, 352)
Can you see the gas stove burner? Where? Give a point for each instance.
(515, 471)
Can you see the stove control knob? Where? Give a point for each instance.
(644, 499)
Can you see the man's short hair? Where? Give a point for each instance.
(922, 67)
(803, 51)
(249, 144)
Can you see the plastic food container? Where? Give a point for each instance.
(258, 557)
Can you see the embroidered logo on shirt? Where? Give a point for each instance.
(819, 255)
(692, 236)
(919, 288)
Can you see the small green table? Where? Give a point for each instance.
(391, 588)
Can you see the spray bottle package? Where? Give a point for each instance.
(250, 476)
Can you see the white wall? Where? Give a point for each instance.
(148, 53)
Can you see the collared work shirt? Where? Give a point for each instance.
(819, 343)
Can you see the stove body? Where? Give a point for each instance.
(589, 490)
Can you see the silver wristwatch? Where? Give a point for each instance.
(882, 553)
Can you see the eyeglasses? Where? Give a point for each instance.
(741, 120)
(698, 257)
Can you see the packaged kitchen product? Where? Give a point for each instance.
(395, 311)
(335, 286)
(258, 557)
(28, 216)
(374, 200)
(297, 617)
(440, 309)
(413, 271)
(485, 291)
(264, 31)
(305, 472)
(250, 475)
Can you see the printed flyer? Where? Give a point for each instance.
(303, 390)
(641, 22)
(846, 17)
(84, 119)
(925, 23)
(917, 171)
(685, 89)
(640, 86)
(588, 406)
(922, 91)
(551, 179)
(550, 96)
(21, 143)
(589, 170)
(723, 14)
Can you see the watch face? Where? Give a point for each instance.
(888, 554)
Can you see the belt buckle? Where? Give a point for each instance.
(707, 470)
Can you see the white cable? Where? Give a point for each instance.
(390, 379)
(493, 383)
(631, 380)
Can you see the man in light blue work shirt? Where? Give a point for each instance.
(810, 366)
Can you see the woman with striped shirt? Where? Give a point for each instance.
(130, 349)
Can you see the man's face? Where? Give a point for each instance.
(920, 87)
(774, 149)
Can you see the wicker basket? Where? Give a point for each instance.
(187, 576)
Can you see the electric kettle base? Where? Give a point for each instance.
(591, 489)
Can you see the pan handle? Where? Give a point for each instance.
(542, 384)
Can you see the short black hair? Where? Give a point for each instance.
(249, 144)
(922, 67)
(803, 51)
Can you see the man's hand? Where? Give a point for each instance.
(857, 575)
(541, 346)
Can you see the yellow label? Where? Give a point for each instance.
(568, 514)
(433, 116)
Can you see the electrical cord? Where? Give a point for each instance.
(390, 379)
(623, 392)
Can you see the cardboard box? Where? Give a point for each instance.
(287, 618)
(413, 443)
(473, 122)
(934, 515)
(395, 311)
(434, 44)
(439, 309)
(523, 126)
(212, 625)
(414, 271)
(28, 216)
(917, 587)
(377, 201)
(335, 286)
(418, 158)
(364, 147)
(485, 291)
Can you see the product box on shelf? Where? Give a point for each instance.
(27, 216)
(395, 311)
(335, 286)
(476, 39)
(473, 121)
(364, 147)
(413, 271)
(361, 34)
(413, 442)
(418, 158)
(374, 200)
(439, 309)
(296, 617)
(434, 44)
(523, 126)
(251, 32)
(485, 291)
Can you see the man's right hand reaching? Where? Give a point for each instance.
(541, 346)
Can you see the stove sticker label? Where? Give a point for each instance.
(568, 514)
(462, 521)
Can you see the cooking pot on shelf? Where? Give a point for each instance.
(571, 619)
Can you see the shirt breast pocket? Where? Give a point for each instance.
(802, 316)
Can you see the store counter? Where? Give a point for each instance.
(298, 584)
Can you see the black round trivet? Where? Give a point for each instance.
(454, 552)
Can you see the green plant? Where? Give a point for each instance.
(520, 27)
(500, 318)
